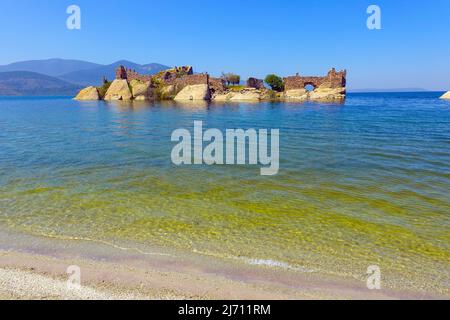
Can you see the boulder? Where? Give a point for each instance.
(141, 90)
(327, 94)
(246, 95)
(166, 92)
(89, 93)
(296, 94)
(223, 96)
(446, 96)
(119, 90)
(194, 92)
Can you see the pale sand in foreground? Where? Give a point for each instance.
(35, 268)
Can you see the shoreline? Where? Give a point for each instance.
(33, 267)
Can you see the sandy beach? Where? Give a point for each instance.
(36, 268)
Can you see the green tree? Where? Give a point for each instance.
(231, 78)
(104, 88)
(275, 82)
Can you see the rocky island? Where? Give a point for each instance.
(182, 84)
(446, 96)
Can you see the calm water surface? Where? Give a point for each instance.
(363, 183)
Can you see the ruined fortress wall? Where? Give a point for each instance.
(337, 79)
(298, 82)
(217, 84)
(123, 73)
(170, 78)
(194, 79)
(133, 75)
(189, 80)
(332, 80)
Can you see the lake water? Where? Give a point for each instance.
(363, 183)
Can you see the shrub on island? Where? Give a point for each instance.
(104, 88)
(275, 82)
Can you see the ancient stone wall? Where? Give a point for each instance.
(337, 79)
(255, 83)
(177, 72)
(180, 77)
(188, 80)
(217, 85)
(123, 73)
(332, 80)
(133, 75)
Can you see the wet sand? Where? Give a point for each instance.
(36, 268)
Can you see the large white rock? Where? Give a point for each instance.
(222, 97)
(119, 90)
(246, 96)
(166, 92)
(296, 94)
(141, 90)
(89, 93)
(327, 94)
(243, 95)
(194, 92)
(446, 96)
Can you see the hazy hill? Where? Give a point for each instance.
(25, 83)
(94, 76)
(60, 77)
(50, 67)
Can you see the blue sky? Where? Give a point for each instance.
(245, 36)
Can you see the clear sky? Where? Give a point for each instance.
(250, 37)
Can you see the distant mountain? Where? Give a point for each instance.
(25, 83)
(94, 76)
(50, 67)
(61, 76)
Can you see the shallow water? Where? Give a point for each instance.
(360, 184)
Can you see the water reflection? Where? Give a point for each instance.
(127, 106)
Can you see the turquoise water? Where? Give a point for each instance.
(359, 184)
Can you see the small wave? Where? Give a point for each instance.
(259, 262)
(113, 245)
(276, 264)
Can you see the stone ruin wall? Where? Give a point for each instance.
(188, 80)
(123, 73)
(332, 80)
(133, 75)
(217, 85)
(170, 77)
(175, 73)
(255, 83)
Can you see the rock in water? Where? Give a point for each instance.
(297, 94)
(328, 94)
(446, 96)
(141, 90)
(247, 95)
(89, 93)
(119, 90)
(194, 92)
